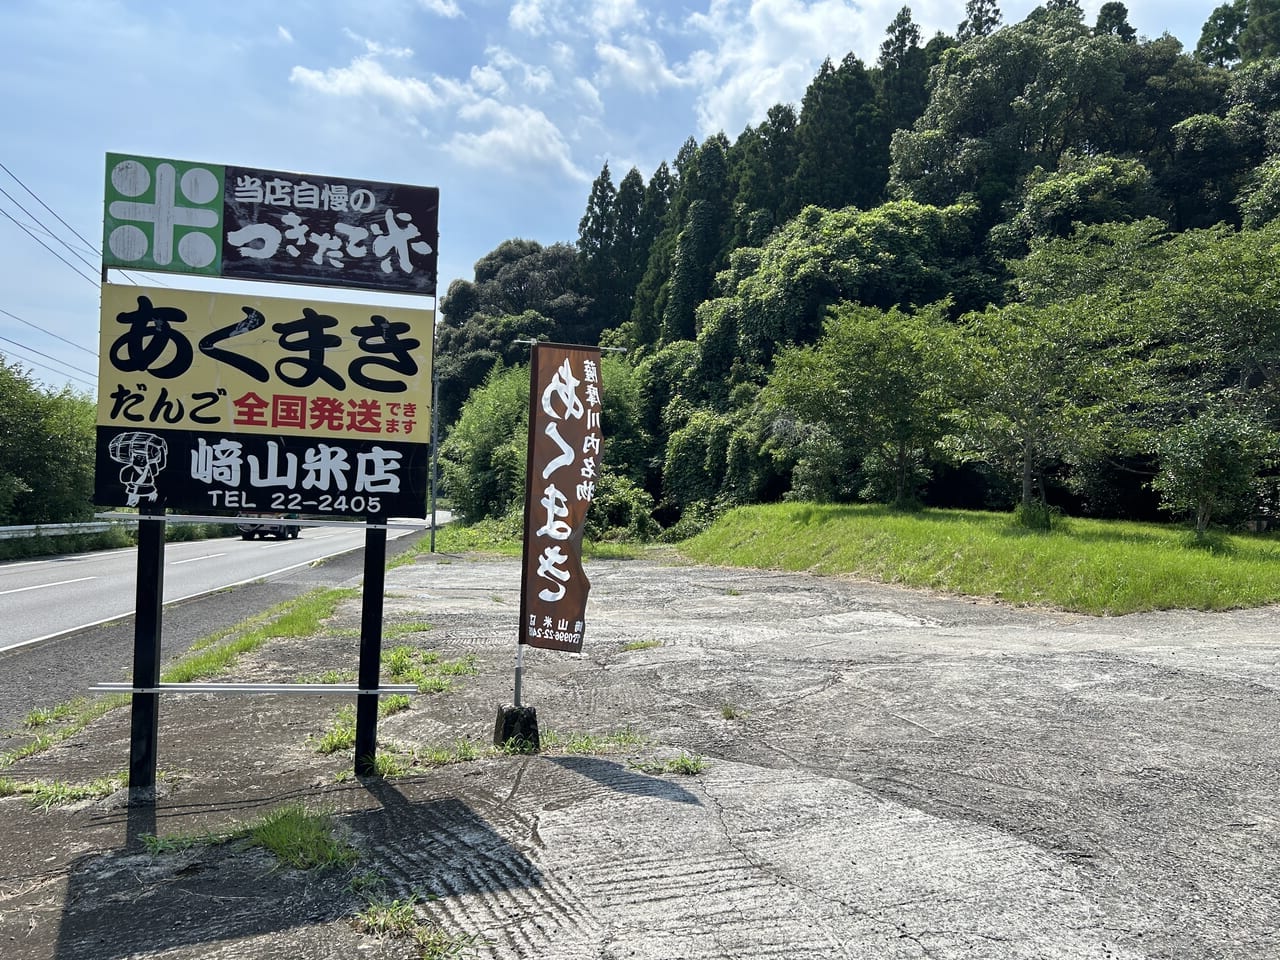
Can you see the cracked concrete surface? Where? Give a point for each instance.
(888, 774)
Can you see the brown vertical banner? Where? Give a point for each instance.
(565, 442)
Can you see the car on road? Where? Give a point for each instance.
(250, 525)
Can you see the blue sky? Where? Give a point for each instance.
(510, 108)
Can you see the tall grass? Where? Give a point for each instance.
(1089, 566)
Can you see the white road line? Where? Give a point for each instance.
(207, 556)
(201, 593)
(41, 586)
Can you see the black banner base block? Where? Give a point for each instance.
(517, 729)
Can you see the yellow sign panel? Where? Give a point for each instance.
(231, 363)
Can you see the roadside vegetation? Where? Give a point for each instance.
(208, 658)
(1100, 567)
(1088, 566)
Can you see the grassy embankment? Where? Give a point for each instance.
(1088, 566)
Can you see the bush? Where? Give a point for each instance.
(621, 510)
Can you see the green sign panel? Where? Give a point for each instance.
(163, 215)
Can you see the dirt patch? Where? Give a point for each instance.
(886, 774)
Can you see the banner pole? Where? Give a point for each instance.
(519, 670)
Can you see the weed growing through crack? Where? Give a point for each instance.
(46, 794)
(67, 720)
(463, 751)
(641, 645)
(296, 836)
(56, 793)
(330, 676)
(399, 919)
(687, 764)
(44, 717)
(393, 631)
(301, 838)
(732, 712)
(341, 734)
(426, 669)
(591, 742)
(158, 846)
(393, 703)
(388, 918)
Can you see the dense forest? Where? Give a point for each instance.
(1027, 266)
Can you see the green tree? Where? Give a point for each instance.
(1113, 19)
(482, 460)
(1219, 44)
(1084, 190)
(902, 73)
(670, 201)
(981, 19)
(631, 244)
(762, 163)
(521, 290)
(842, 139)
(46, 451)
(897, 254)
(597, 246)
(880, 384)
(1209, 464)
(1029, 372)
(1260, 35)
(700, 243)
(1001, 105)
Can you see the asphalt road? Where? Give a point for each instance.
(219, 591)
(53, 595)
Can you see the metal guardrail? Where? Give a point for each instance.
(52, 529)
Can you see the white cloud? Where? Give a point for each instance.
(444, 8)
(528, 16)
(607, 16)
(366, 77)
(766, 51)
(537, 79)
(589, 95)
(563, 55)
(376, 49)
(639, 64)
(284, 34)
(517, 140)
(488, 78)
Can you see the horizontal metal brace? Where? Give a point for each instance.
(308, 688)
(282, 521)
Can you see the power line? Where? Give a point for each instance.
(50, 333)
(55, 360)
(23, 346)
(89, 247)
(36, 220)
(49, 248)
(47, 207)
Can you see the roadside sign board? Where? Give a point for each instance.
(219, 401)
(565, 445)
(243, 223)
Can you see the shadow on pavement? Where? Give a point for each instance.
(617, 777)
(131, 902)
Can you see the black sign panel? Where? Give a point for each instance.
(299, 228)
(261, 473)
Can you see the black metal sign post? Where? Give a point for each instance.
(144, 726)
(375, 566)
